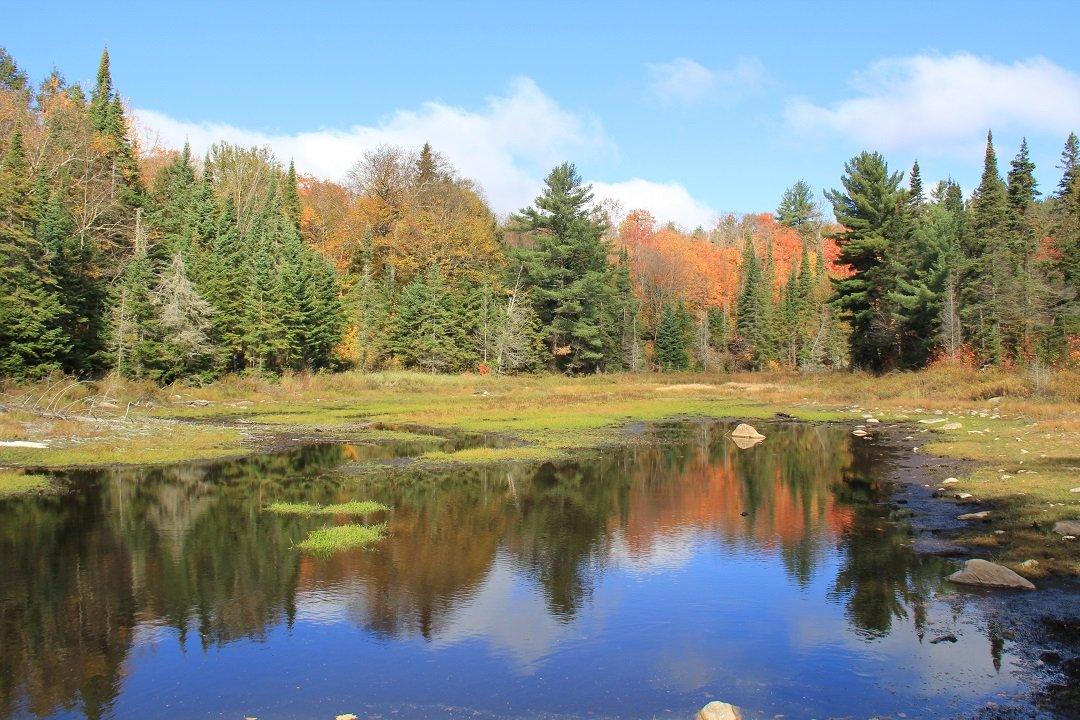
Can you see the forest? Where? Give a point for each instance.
(159, 265)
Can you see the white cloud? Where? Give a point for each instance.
(688, 82)
(668, 202)
(507, 146)
(945, 104)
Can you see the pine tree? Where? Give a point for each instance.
(32, 339)
(1024, 314)
(106, 114)
(429, 335)
(568, 275)
(987, 267)
(291, 205)
(870, 211)
(673, 338)
(173, 211)
(223, 281)
(797, 209)
(1063, 268)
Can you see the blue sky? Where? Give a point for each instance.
(691, 109)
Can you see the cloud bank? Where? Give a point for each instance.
(943, 105)
(507, 146)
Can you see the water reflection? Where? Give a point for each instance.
(657, 572)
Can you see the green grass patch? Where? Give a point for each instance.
(15, 482)
(480, 456)
(154, 444)
(354, 507)
(327, 541)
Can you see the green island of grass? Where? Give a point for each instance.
(325, 542)
(354, 507)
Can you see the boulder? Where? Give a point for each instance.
(981, 515)
(717, 710)
(983, 573)
(746, 431)
(1067, 527)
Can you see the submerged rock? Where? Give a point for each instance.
(984, 573)
(745, 443)
(717, 710)
(1067, 527)
(742, 430)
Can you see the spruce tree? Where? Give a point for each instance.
(106, 114)
(673, 338)
(568, 275)
(1024, 313)
(986, 277)
(32, 339)
(869, 209)
(916, 195)
(754, 312)
(797, 209)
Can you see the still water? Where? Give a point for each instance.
(634, 584)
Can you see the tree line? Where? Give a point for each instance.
(159, 265)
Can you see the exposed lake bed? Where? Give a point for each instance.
(635, 581)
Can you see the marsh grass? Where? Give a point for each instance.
(483, 455)
(354, 507)
(325, 542)
(16, 482)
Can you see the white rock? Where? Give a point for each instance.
(988, 574)
(932, 421)
(964, 496)
(952, 426)
(859, 433)
(22, 444)
(981, 515)
(1075, 490)
(717, 710)
(746, 431)
(872, 421)
(949, 481)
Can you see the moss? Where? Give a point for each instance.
(327, 541)
(354, 507)
(16, 482)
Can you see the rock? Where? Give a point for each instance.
(22, 444)
(746, 431)
(1050, 657)
(943, 638)
(937, 546)
(987, 574)
(347, 716)
(1075, 490)
(981, 515)
(872, 421)
(1029, 564)
(717, 710)
(1067, 527)
(963, 496)
(949, 481)
(859, 433)
(932, 421)
(952, 426)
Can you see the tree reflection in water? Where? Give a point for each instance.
(189, 548)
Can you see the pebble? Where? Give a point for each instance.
(949, 481)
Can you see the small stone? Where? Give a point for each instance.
(987, 574)
(859, 433)
(1029, 564)
(717, 710)
(999, 532)
(981, 515)
(949, 481)
(963, 496)
(872, 421)
(1075, 490)
(347, 716)
(943, 638)
(952, 426)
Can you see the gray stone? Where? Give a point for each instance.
(717, 710)
(987, 574)
(1067, 527)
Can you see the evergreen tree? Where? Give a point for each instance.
(135, 333)
(223, 282)
(797, 209)
(106, 114)
(173, 212)
(986, 278)
(32, 339)
(753, 313)
(870, 209)
(428, 330)
(184, 319)
(1064, 265)
(916, 196)
(568, 275)
(673, 338)
(1024, 314)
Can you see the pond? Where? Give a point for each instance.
(633, 583)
